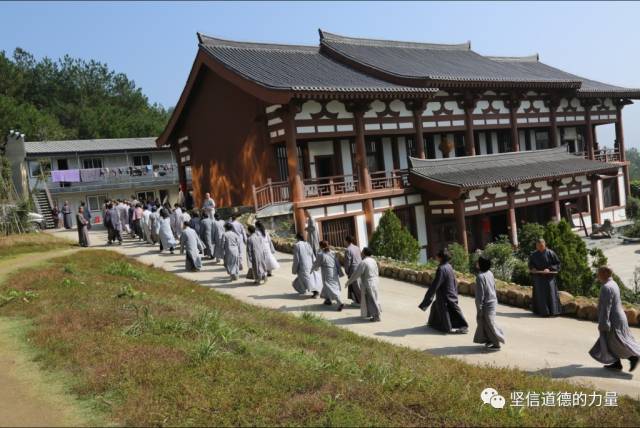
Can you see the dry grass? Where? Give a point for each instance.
(150, 348)
(14, 245)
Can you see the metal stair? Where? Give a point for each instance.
(43, 206)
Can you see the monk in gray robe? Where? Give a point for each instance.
(367, 273)
(154, 219)
(352, 259)
(239, 229)
(487, 331)
(191, 244)
(312, 232)
(329, 266)
(445, 315)
(231, 245)
(176, 221)
(66, 215)
(164, 232)
(113, 225)
(206, 234)
(544, 266)
(307, 280)
(256, 256)
(218, 234)
(615, 342)
(82, 224)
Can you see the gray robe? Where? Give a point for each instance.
(154, 220)
(270, 252)
(165, 234)
(238, 228)
(352, 258)
(615, 341)
(191, 244)
(66, 216)
(312, 234)
(257, 256)
(307, 279)
(487, 330)
(206, 234)
(218, 234)
(231, 245)
(329, 266)
(545, 299)
(176, 222)
(83, 233)
(367, 273)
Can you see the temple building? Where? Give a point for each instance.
(463, 147)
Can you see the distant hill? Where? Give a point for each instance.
(72, 98)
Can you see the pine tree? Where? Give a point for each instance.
(575, 274)
(393, 240)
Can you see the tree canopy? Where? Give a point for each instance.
(72, 98)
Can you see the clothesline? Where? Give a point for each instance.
(98, 174)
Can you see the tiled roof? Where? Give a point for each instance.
(298, 68)
(472, 172)
(98, 145)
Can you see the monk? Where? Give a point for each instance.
(544, 266)
(352, 259)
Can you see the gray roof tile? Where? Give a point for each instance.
(97, 145)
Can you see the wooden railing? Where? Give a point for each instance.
(603, 155)
(397, 179)
(327, 186)
(274, 192)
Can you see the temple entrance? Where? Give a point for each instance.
(486, 228)
(541, 214)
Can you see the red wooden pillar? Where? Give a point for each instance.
(364, 178)
(594, 201)
(557, 210)
(552, 104)
(588, 131)
(513, 223)
(417, 107)
(431, 244)
(513, 104)
(295, 181)
(469, 104)
(461, 223)
(620, 103)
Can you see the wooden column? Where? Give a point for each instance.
(468, 104)
(364, 178)
(461, 223)
(594, 201)
(417, 107)
(620, 103)
(511, 215)
(295, 180)
(588, 131)
(431, 247)
(552, 104)
(513, 104)
(557, 209)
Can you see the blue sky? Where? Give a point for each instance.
(155, 43)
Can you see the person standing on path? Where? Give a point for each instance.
(544, 266)
(231, 243)
(206, 234)
(615, 342)
(367, 273)
(218, 234)
(487, 332)
(66, 215)
(307, 280)
(81, 224)
(445, 314)
(239, 229)
(191, 244)
(256, 256)
(164, 232)
(209, 205)
(312, 232)
(86, 212)
(269, 249)
(352, 259)
(329, 266)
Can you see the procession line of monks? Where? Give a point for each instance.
(318, 270)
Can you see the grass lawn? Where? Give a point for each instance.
(146, 347)
(14, 245)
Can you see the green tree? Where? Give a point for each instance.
(391, 239)
(459, 257)
(528, 235)
(632, 208)
(502, 258)
(633, 157)
(575, 274)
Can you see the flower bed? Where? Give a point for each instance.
(508, 293)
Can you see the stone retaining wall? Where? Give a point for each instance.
(511, 294)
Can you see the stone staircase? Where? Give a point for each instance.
(44, 208)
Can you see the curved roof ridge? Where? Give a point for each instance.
(555, 151)
(336, 38)
(217, 42)
(528, 58)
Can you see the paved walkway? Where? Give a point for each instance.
(552, 346)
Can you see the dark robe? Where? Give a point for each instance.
(445, 314)
(545, 299)
(66, 216)
(83, 233)
(616, 341)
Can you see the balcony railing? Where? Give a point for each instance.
(397, 179)
(272, 193)
(329, 186)
(603, 155)
(117, 177)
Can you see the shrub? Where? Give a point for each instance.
(635, 188)
(459, 257)
(633, 208)
(393, 240)
(520, 273)
(503, 260)
(632, 231)
(528, 235)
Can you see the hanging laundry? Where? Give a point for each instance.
(65, 176)
(88, 175)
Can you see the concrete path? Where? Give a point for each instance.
(30, 396)
(552, 346)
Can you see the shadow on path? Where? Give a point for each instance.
(574, 370)
(460, 350)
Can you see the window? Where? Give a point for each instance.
(141, 160)
(430, 144)
(334, 231)
(374, 156)
(40, 166)
(95, 202)
(458, 140)
(407, 216)
(504, 141)
(610, 192)
(92, 163)
(542, 140)
(281, 161)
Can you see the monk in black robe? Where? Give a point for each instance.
(446, 314)
(544, 266)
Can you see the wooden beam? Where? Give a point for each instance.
(461, 224)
